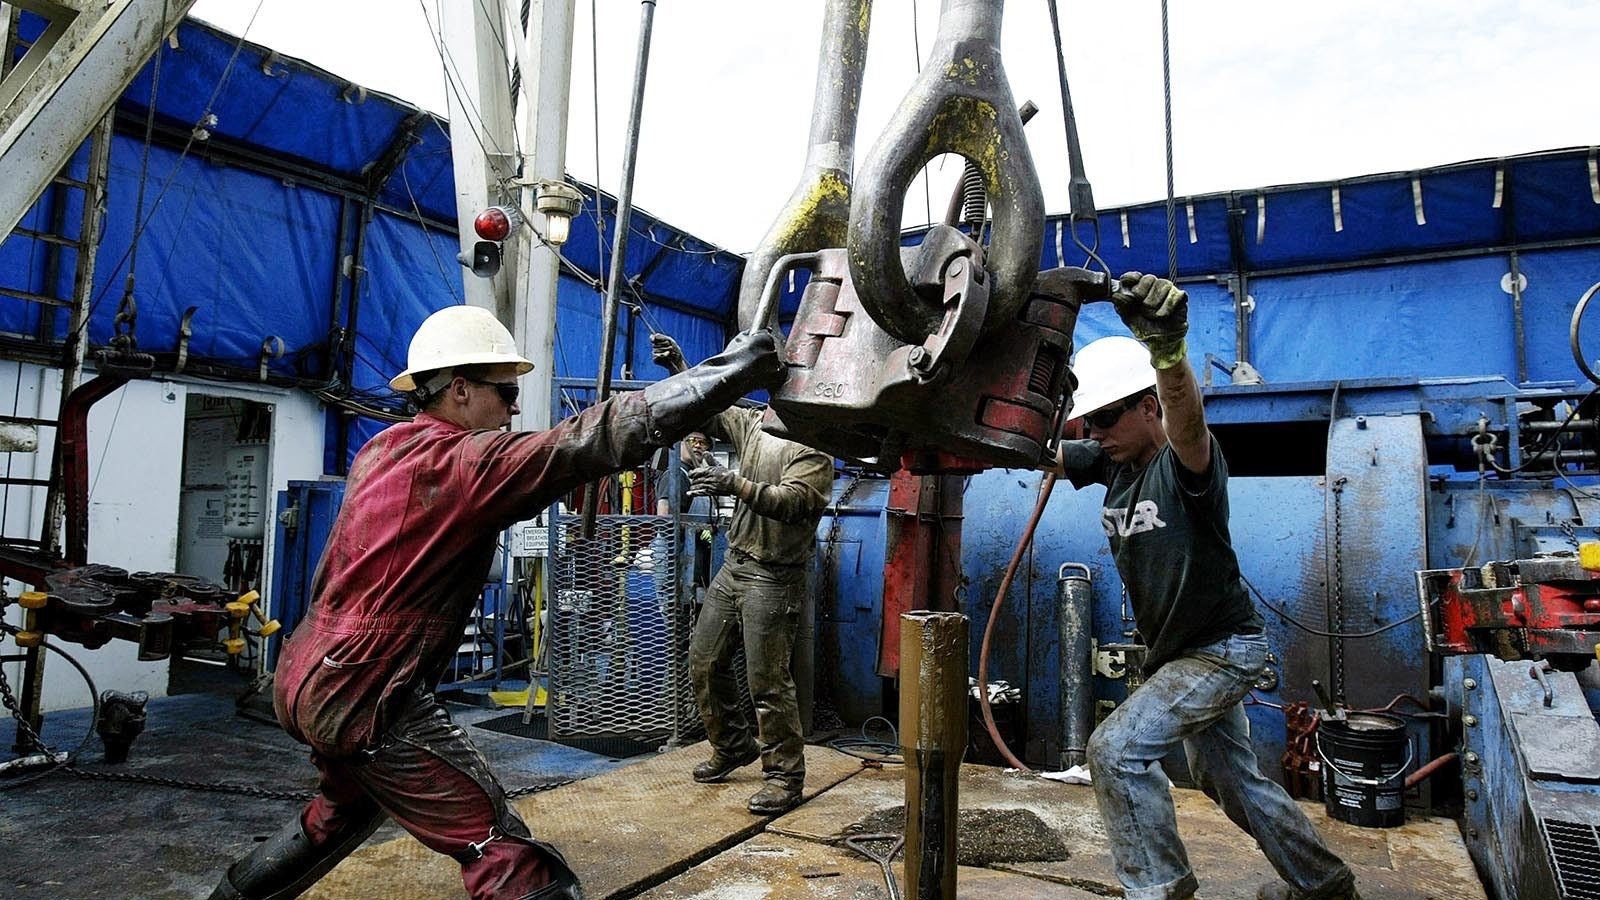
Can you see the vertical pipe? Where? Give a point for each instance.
(619, 241)
(1077, 665)
(933, 738)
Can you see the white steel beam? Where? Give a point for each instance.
(482, 135)
(480, 38)
(67, 83)
(546, 84)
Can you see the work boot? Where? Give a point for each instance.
(774, 798)
(564, 887)
(1278, 890)
(719, 767)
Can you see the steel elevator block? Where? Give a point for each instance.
(860, 394)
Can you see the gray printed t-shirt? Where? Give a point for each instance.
(1168, 530)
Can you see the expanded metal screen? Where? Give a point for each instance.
(618, 632)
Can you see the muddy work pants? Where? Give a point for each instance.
(756, 606)
(429, 777)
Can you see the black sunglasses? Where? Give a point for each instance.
(508, 390)
(1105, 419)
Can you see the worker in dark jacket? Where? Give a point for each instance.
(403, 569)
(754, 601)
(1166, 517)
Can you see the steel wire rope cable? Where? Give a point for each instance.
(916, 51)
(142, 219)
(1047, 486)
(1166, 93)
(1075, 158)
(1284, 615)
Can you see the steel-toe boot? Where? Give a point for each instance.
(719, 767)
(774, 797)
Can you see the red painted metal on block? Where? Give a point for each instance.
(922, 554)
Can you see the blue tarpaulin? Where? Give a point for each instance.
(323, 216)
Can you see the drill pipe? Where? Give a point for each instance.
(933, 738)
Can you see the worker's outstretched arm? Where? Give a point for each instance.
(665, 352)
(1157, 313)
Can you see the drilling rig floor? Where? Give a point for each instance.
(631, 828)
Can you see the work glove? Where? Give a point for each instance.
(1157, 313)
(665, 352)
(715, 480)
(683, 402)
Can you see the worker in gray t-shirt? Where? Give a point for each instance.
(1166, 517)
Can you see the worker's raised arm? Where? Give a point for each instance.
(1157, 313)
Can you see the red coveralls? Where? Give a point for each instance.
(406, 561)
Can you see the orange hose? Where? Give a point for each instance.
(994, 613)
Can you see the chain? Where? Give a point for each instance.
(213, 787)
(823, 703)
(537, 788)
(1571, 533)
(1337, 643)
(835, 527)
(30, 738)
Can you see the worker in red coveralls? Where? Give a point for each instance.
(405, 563)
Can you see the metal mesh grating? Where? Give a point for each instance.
(1575, 855)
(618, 635)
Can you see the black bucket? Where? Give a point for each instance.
(1364, 760)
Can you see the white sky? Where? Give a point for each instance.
(1264, 91)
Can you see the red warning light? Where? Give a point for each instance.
(495, 223)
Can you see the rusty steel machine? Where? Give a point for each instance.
(89, 604)
(930, 361)
(1519, 638)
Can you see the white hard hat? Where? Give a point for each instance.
(1109, 370)
(458, 336)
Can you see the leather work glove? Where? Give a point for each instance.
(1157, 313)
(714, 480)
(665, 352)
(683, 402)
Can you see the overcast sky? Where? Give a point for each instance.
(1263, 91)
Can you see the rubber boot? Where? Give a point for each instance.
(284, 865)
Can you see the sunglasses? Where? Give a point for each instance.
(508, 390)
(1104, 419)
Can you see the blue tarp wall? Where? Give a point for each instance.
(324, 215)
(320, 214)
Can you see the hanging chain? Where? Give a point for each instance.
(30, 738)
(1338, 590)
(823, 708)
(123, 339)
(32, 741)
(1569, 532)
(835, 527)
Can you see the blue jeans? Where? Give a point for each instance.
(1196, 700)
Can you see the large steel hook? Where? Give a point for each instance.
(817, 214)
(960, 104)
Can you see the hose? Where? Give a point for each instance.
(94, 719)
(1415, 778)
(1045, 488)
(1572, 333)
